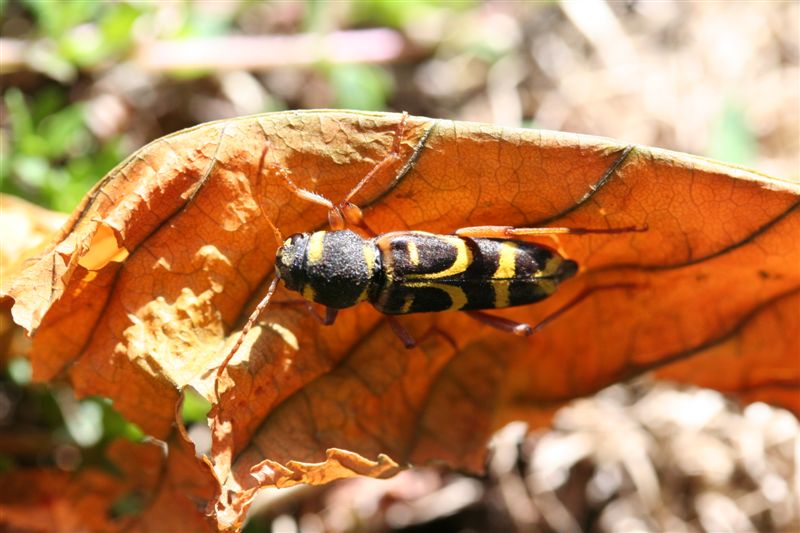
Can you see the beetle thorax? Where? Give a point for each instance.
(334, 268)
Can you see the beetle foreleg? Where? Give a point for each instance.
(346, 212)
(301, 192)
(350, 212)
(388, 159)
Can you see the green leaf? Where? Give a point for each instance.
(731, 138)
(360, 86)
(195, 408)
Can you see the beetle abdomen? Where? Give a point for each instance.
(426, 272)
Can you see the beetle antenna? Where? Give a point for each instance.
(246, 329)
(275, 230)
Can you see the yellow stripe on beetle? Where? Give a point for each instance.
(458, 298)
(460, 264)
(506, 270)
(413, 253)
(308, 292)
(316, 247)
(506, 262)
(551, 267)
(369, 257)
(408, 301)
(368, 250)
(502, 294)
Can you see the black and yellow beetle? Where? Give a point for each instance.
(473, 269)
(417, 272)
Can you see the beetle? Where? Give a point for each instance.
(473, 269)
(415, 272)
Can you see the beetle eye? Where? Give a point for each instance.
(292, 240)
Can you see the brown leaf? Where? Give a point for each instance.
(164, 493)
(339, 464)
(52, 500)
(26, 229)
(174, 490)
(169, 253)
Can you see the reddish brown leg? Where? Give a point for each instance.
(526, 330)
(402, 333)
(503, 324)
(581, 296)
(330, 314)
(509, 232)
(354, 216)
(346, 212)
(334, 216)
(388, 159)
(410, 342)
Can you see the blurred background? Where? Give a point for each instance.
(84, 84)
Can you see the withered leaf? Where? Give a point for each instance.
(166, 257)
(144, 489)
(26, 229)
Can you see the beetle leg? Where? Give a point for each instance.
(335, 216)
(350, 211)
(326, 320)
(353, 214)
(409, 341)
(525, 330)
(388, 159)
(330, 314)
(347, 211)
(301, 192)
(402, 333)
(581, 296)
(510, 232)
(503, 324)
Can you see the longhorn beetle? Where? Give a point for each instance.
(475, 268)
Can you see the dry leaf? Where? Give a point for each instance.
(166, 257)
(26, 229)
(145, 490)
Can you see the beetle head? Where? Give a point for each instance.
(290, 258)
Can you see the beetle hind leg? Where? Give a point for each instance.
(503, 324)
(526, 330)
